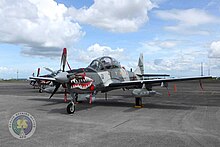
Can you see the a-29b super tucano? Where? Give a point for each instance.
(105, 74)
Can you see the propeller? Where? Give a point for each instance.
(61, 77)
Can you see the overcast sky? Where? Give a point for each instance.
(175, 36)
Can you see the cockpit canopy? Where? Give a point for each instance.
(104, 63)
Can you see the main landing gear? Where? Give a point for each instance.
(138, 102)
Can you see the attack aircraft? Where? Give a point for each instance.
(41, 84)
(105, 74)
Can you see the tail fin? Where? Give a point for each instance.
(140, 68)
(38, 72)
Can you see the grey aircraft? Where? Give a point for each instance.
(106, 74)
(41, 84)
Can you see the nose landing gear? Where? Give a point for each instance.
(70, 108)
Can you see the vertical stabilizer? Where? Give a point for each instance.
(140, 68)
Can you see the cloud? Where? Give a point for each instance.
(174, 63)
(213, 4)
(96, 50)
(39, 27)
(40, 51)
(171, 59)
(187, 21)
(157, 46)
(163, 43)
(5, 69)
(115, 16)
(214, 51)
(185, 65)
(7, 72)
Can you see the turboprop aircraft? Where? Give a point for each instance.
(33, 82)
(41, 84)
(106, 74)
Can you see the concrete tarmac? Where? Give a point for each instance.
(188, 117)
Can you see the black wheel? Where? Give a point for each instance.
(70, 108)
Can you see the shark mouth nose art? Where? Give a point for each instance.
(81, 83)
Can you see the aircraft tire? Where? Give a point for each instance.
(40, 90)
(70, 108)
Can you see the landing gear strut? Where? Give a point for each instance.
(138, 102)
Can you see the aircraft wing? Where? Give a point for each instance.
(154, 82)
(43, 78)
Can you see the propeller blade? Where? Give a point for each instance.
(63, 59)
(49, 69)
(55, 90)
(68, 65)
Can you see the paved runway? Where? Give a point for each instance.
(189, 117)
